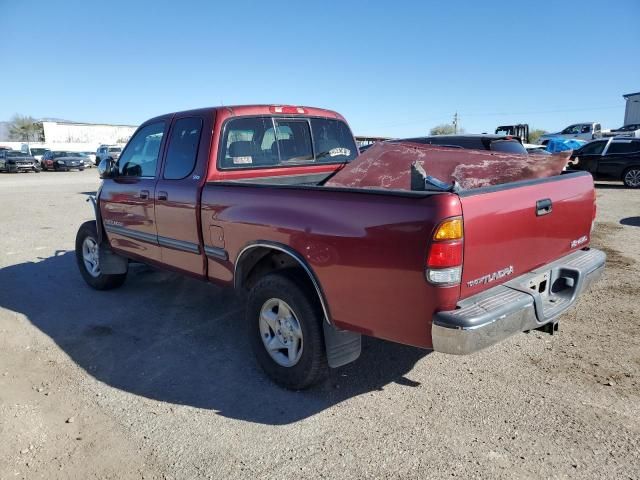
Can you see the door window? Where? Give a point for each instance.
(183, 148)
(593, 148)
(140, 156)
(573, 129)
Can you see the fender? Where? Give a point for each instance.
(342, 346)
(110, 262)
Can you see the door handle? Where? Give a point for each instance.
(144, 194)
(544, 207)
(163, 195)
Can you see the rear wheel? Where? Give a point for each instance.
(88, 259)
(631, 177)
(285, 330)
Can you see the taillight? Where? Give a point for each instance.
(444, 261)
(286, 109)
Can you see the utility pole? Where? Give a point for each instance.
(455, 122)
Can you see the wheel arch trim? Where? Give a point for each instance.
(293, 254)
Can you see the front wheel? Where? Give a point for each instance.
(88, 259)
(631, 177)
(285, 330)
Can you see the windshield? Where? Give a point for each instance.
(38, 151)
(628, 128)
(252, 142)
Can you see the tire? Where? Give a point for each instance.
(631, 177)
(282, 299)
(94, 277)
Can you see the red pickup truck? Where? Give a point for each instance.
(237, 196)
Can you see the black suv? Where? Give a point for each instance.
(13, 161)
(617, 157)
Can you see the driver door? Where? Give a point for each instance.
(127, 202)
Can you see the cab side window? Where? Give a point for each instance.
(140, 157)
(183, 148)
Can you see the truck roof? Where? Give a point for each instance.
(258, 109)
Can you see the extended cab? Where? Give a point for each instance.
(240, 196)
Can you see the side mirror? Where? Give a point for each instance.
(107, 168)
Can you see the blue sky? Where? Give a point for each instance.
(392, 68)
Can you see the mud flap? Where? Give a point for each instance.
(342, 346)
(111, 263)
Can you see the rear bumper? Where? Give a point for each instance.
(497, 313)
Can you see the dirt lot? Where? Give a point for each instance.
(155, 380)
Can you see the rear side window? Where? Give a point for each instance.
(183, 148)
(624, 147)
(268, 141)
(140, 157)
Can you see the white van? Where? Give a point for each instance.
(580, 131)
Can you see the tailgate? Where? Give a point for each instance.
(507, 231)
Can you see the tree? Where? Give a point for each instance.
(445, 129)
(534, 135)
(25, 128)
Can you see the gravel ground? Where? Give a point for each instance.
(155, 380)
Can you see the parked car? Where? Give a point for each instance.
(88, 161)
(631, 130)
(12, 161)
(237, 196)
(62, 160)
(92, 157)
(485, 141)
(38, 152)
(583, 131)
(615, 157)
(108, 152)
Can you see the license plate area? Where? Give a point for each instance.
(540, 284)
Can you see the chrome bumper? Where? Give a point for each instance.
(516, 306)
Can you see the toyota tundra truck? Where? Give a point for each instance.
(245, 197)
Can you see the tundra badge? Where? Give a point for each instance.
(492, 277)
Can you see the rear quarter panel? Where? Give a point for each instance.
(367, 250)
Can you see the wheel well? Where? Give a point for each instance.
(259, 261)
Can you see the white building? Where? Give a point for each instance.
(87, 133)
(632, 110)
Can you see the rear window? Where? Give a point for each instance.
(507, 146)
(252, 142)
(115, 149)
